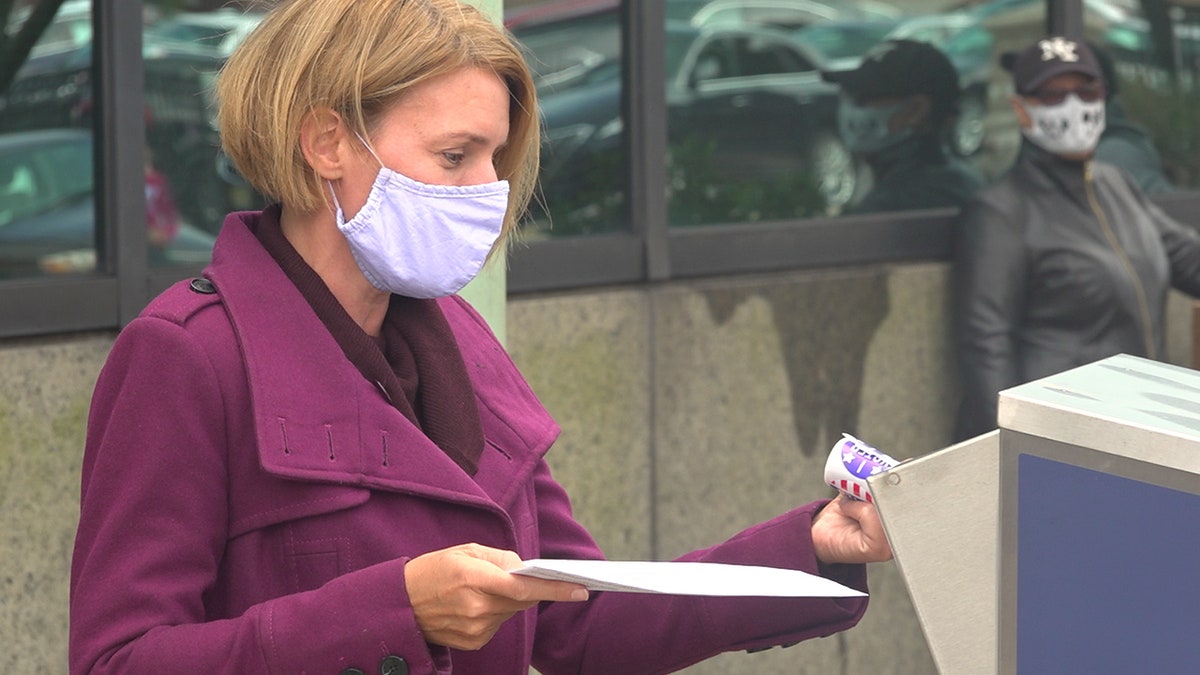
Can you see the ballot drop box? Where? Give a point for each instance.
(1067, 541)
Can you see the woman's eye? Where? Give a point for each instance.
(454, 158)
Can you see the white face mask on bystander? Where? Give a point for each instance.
(1072, 127)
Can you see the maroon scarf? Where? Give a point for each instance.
(415, 364)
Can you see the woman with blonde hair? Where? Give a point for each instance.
(317, 458)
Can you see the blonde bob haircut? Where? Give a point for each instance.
(358, 57)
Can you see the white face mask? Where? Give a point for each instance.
(421, 240)
(864, 129)
(1072, 127)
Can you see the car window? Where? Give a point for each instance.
(718, 59)
(48, 176)
(18, 193)
(765, 56)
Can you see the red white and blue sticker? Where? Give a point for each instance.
(851, 462)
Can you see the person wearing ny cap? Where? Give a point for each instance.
(896, 111)
(1063, 260)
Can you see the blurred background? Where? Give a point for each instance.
(751, 126)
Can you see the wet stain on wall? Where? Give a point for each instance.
(825, 326)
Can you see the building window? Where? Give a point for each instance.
(47, 181)
(682, 138)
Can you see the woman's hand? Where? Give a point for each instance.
(462, 595)
(849, 531)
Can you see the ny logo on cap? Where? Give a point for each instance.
(1059, 48)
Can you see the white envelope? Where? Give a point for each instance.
(687, 578)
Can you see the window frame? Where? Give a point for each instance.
(648, 252)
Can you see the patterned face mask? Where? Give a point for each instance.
(1072, 127)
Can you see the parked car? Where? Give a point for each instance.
(744, 104)
(47, 207)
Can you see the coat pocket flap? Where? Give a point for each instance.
(289, 500)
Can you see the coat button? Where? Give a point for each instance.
(202, 285)
(393, 665)
(352, 671)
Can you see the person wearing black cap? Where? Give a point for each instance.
(1063, 260)
(895, 112)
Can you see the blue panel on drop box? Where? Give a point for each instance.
(1108, 573)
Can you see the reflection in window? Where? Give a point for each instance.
(47, 206)
(574, 49)
(753, 127)
(190, 184)
(1151, 56)
(47, 120)
(773, 142)
(754, 131)
(755, 139)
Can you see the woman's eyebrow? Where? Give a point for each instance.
(467, 136)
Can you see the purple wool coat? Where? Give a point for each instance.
(249, 502)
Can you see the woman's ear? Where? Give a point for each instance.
(323, 143)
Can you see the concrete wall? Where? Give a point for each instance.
(43, 411)
(690, 410)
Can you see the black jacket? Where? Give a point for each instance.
(1059, 264)
(918, 174)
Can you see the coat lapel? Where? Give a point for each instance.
(316, 418)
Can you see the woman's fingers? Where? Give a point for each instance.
(461, 595)
(849, 531)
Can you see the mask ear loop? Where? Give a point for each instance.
(336, 204)
(369, 148)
